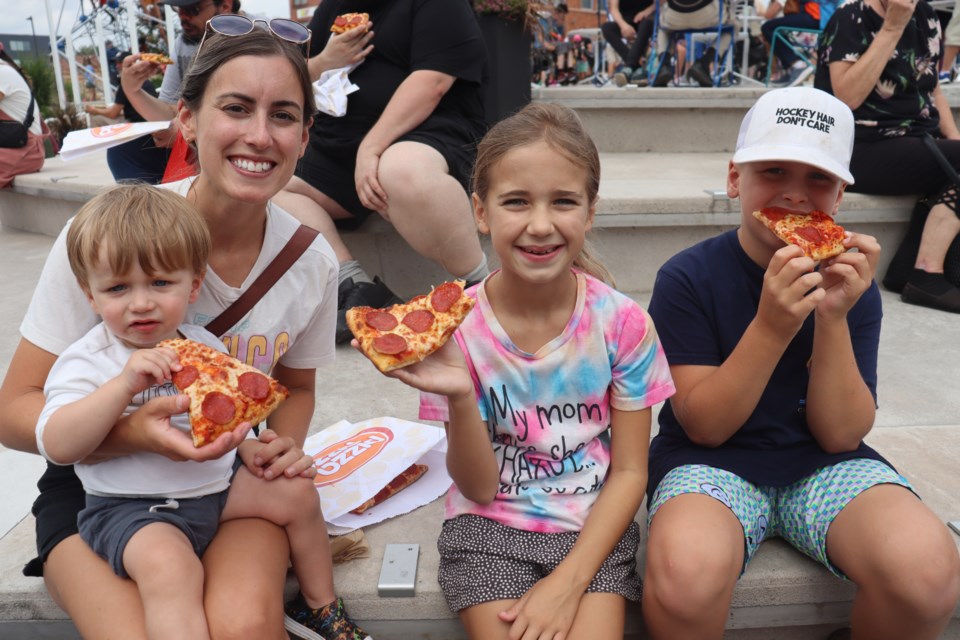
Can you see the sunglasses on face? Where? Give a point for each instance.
(191, 10)
(236, 25)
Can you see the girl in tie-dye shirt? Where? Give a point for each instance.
(546, 393)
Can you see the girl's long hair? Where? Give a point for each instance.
(561, 128)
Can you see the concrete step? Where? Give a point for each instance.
(651, 206)
(672, 119)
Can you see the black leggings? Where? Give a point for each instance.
(904, 166)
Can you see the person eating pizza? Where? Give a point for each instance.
(775, 363)
(139, 254)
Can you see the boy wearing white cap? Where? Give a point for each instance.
(774, 358)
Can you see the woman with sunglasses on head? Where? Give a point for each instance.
(246, 107)
(405, 147)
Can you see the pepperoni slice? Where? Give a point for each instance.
(419, 320)
(445, 295)
(254, 385)
(356, 20)
(810, 234)
(185, 377)
(340, 21)
(381, 320)
(390, 344)
(218, 408)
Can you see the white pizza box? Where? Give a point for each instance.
(355, 461)
(84, 141)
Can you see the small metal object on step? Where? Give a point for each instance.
(717, 194)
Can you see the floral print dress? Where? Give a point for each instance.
(902, 102)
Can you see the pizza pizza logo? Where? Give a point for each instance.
(342, 458)
(110, 130)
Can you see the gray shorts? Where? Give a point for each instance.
(482, 560)
(107, 524)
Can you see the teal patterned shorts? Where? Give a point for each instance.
(799, 513)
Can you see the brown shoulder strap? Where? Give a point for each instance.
(294, 248)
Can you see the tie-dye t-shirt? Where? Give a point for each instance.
(548, 412)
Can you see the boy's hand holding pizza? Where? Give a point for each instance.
(147, 367)
(791, 290)
(847, 276)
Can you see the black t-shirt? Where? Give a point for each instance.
(409, 35)
(129, 113)
(630, 8)
(901, 103)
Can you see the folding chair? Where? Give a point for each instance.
(711, 37)
(803, 43)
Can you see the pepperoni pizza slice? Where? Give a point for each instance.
(349, 21)
(406, 333)
(406, 478)
(223, 391)
(815, 232)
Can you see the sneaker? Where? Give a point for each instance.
(639, 77)
(699, 71)
(360, 294)
(946, 77)
(327, 623)
(622, 77)
(798, 75)
(664, 75)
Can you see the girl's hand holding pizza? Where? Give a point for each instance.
(444, 372)
(847, 276)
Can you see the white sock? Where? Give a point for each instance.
(480, 272)
(352, 269)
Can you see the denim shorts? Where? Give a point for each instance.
(800, 513)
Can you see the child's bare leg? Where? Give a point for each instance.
(169, 576)
(291, 503)
(695, 553)
(903, 561)
(481, 621)
(601, 615)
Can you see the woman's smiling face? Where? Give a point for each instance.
(249, 129)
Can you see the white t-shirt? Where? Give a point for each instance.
(294, 322)
(88, 364)
(16, 97)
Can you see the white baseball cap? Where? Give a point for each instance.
(800, 124)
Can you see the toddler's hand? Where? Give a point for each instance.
(272, 455)
(147, 367)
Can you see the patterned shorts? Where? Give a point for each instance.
(482, 560)
(800, 513)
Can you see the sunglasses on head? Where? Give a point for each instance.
(237, 25)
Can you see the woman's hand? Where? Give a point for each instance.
(545, 612)
(898, 15)
(272, 455)
(371, 194)
(343, 50)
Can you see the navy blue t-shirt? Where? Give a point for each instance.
(703, 300)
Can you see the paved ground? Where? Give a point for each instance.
(919, 370)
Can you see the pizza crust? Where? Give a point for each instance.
(408, 338)
(157, 58)
(406, 478)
